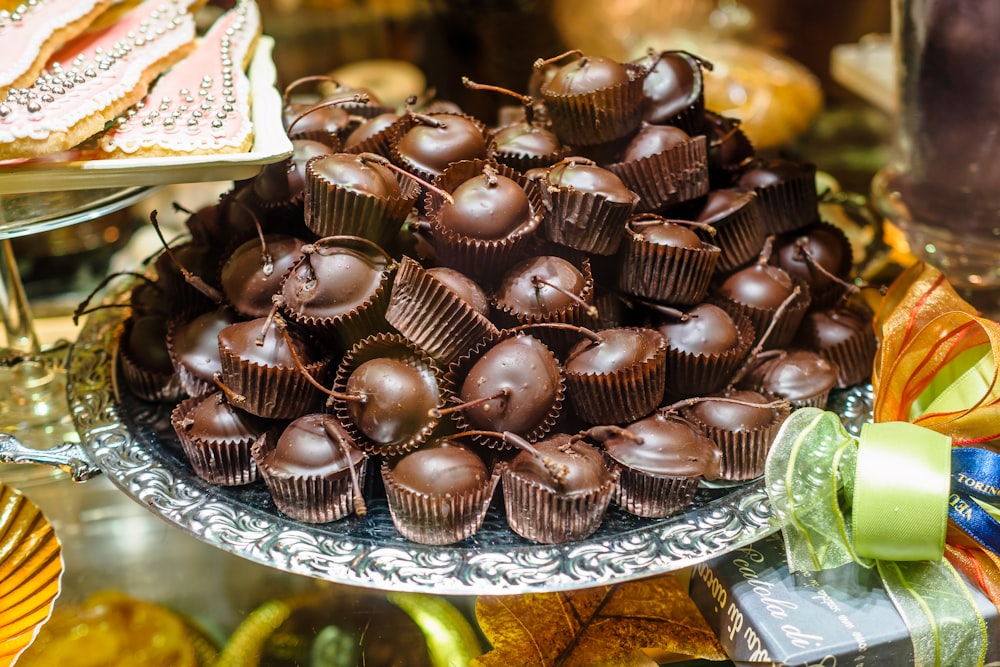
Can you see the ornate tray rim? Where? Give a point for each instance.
(732, 521)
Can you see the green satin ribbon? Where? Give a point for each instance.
(901, 487)
(819, 478)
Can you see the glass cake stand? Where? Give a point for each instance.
(32, 376)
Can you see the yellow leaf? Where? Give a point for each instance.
(604, 625)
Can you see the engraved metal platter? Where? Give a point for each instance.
(133, 443)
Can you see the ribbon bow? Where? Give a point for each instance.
(883, 499)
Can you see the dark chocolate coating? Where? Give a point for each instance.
(215, 420)
(369, 129)
(441, 471)
(793, 375)
(333, 282)
(823, 329)
(708, 330)
(732, 416)
(431, 148)
(764, 173)
(399, 396)
(758, 285)
(586, 75)
(670, 87)
(652, 140)
(668, 446)
(240, 339)
(195, 343)
(517, 292)
(589, 178)
(526, 139)
(464, 287)
(329, 119)
(826, 247)
(145, 343)
(280, 181)
(728, 146)
(306, 448)
(488, 209)
(584, 464)
(244, 280)
(526, 368)
(670, 234)
(350, 172)
(724, 202)
(619, 348)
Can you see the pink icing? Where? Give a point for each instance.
(202, 104)
(23, 33)
(93, 73)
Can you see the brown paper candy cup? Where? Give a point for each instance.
(309, 498)
(598, 116)
(429, 519)
(671, 177)
(666, 274)
(739, 235)
(701, 374)
(654, 496)
(431, 316)
(744, 452)
(541, 515)
(223, 463)
(583, 221)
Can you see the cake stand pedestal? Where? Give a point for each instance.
(34, 416)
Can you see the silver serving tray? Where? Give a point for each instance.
(133, 444)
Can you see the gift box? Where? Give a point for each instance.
(765, 615)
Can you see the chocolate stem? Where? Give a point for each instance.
(688, 402)
(644, 220)
(778, 314)
(584, 331)
(195, 281)
(526, 100)
(231, 396)
(282, 326)
(427, 120)
(360, 508)
(318, 78)
(437, 413)
(537, 282)
(81, 309)
(765, 252)
(606, 432)
(359, 98)
(542, 62)
(558, 471)
(667, 311)
(382, 160)
(267, 262)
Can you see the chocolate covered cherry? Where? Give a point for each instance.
(540, 286)
(397, 396)
(490, 206)
(667, 233)
(652, 140)
(615, 350)
(758, 285)
(585, 75)
(353, 172)
(437, 140)
(704, 329)
(583, 175)
(369, 129)
(440, 469)
(332, 280)
(517, 385)
(562, 464)
(252, 275)
(464, 287)
(673, 83)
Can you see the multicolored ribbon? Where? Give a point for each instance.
(883, 499)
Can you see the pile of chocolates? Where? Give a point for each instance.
(604, 297)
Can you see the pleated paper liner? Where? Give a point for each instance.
(432, 519)
(802, 377)
(650, 495)
(318, 498)
(273, 392)
(327, 316)
(664, 273)
(333, 210)
(226, 462)
(728, 148)
(584, 221)
(542, 515)
(31, 572)
(375, 139)
(408, 121)
(432, 316)
(598, 116)
(739, 231)
(687, 114)
(149, 384)
(194, 329)
(481, 259)
(350, 413)
(744, 451)
(825, 292)
(852, 350)
(670, 177)
(784, 328)
(702, 374)
(790, 203)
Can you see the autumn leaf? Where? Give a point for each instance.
(604, 625)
